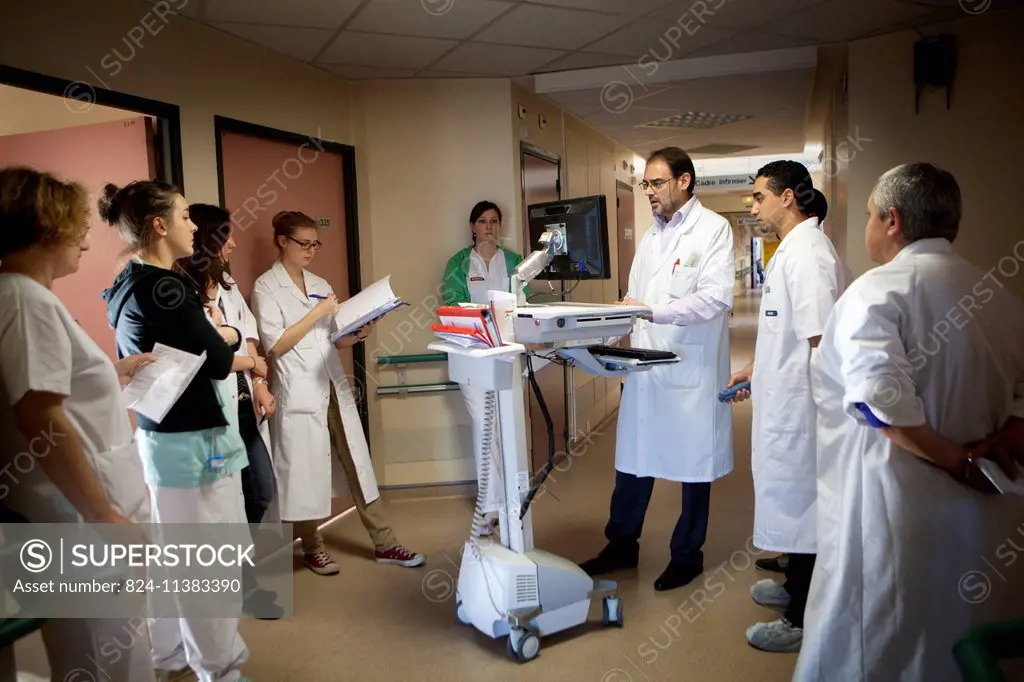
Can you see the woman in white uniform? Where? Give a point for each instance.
(193, 457)
(209, 265)
(316, 410)
(54, 379)
(468, 276)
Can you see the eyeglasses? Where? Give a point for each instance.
(656, 184)
(307, 246)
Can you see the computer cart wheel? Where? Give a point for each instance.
(611, 611)
(460, 613)
(523, 645)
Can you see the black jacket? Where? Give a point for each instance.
(148, 305)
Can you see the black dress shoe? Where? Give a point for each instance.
(775, 564)
(608, 561)
(677, 575)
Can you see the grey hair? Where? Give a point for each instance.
(926, 197)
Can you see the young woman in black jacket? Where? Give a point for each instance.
(193, 457)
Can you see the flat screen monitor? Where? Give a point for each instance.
(584, 221)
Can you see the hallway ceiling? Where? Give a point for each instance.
(362, 39)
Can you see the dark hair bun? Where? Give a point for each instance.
(818, 206)
(109, 207)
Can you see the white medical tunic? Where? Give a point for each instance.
(803, 282)
(42, 348)
(908, 558)
(483, 276)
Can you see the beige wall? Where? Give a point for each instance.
(426, 152)
(978, 139)
(180, 62)
(26, 111)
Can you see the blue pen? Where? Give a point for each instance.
(318, 296)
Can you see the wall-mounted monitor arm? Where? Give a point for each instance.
(554, 244)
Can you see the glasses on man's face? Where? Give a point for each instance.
(657, 184)
(307, 246)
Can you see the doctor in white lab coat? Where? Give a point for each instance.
(804, 279)
(910, 556)
(317, 412)
(671, 425)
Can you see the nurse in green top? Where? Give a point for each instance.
(469, 275)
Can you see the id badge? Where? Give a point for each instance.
(215, 463)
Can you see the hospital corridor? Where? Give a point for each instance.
(491, 340)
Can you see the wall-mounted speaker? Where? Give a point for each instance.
(934, 66)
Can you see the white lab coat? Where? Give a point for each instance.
(908, 558)
(671, 424)
(238, 315)
(804, 280)
(300, 381)
(42, 348)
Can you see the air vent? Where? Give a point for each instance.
(695, 119)
(720, 149)
(526, 589)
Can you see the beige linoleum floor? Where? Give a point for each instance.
(374, 623)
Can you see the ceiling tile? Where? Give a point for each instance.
(658, 40)
(190, 10)
(732, 13)
(364, 72)
(456, 74)
(372, 49)
(300, 43)
(313, 13)
(751, 41)
(841, 20)
(428, 18)
(504, 60)
(586, 60)
(633, 8)
(550, 26)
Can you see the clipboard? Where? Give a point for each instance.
(477, 317)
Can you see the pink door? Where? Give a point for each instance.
(117, 152)
(262, 177)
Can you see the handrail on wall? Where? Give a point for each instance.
(403, 387)
(411, 359)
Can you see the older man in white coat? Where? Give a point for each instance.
(921, 357)
(804, 279)
(671, 426)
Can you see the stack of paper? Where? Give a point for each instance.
(469, 326)
(155, 387)
(371, 303)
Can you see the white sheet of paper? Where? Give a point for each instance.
(999, 479)
(155, 388)
(369, 304)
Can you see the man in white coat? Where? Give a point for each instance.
(804, 279)
(921, 358)
(671, 426)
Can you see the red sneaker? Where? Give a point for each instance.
(321, 563)
(399, 556)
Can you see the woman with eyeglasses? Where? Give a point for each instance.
(316, 409)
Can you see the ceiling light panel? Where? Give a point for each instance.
(695, 119)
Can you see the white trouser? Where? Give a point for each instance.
(212, 647)
(475, 399)
(108, 649)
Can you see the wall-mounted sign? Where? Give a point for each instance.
(725, 182)
(627, 233)
(323, 221)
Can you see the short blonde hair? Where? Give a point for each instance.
(37, 208)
